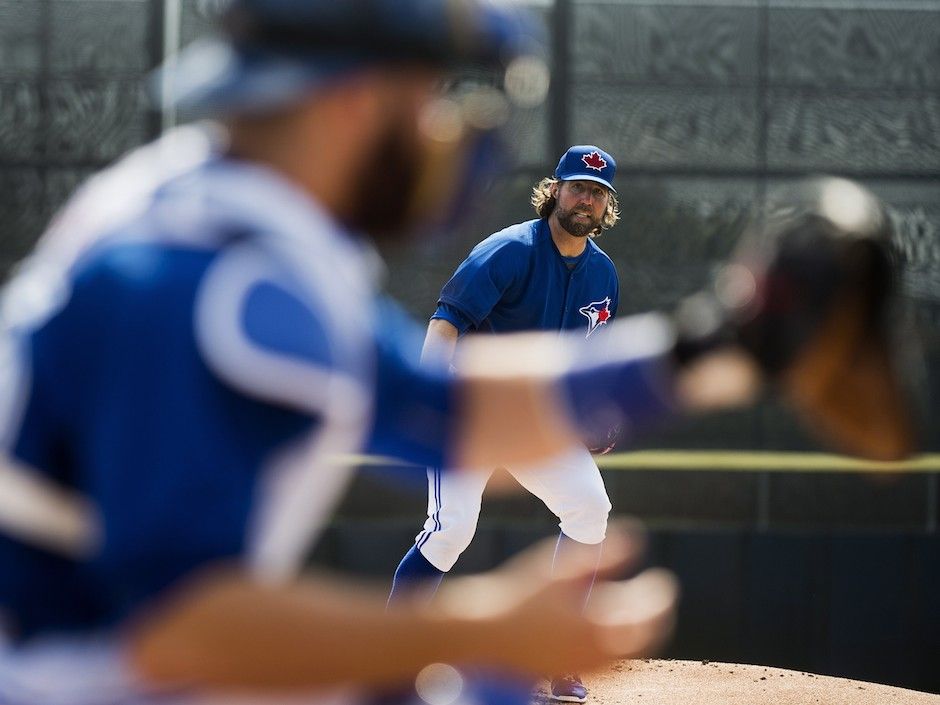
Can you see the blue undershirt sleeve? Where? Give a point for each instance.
(415, 405)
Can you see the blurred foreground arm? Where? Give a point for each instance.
(522, 397)
(325, 632)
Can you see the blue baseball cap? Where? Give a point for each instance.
(587, 162)
(270, 52)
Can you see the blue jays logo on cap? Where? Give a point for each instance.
(587, 162)
(594, 161)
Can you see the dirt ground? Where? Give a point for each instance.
(662, 682)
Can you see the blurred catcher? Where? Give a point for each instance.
(198, 337)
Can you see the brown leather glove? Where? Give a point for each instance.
(808, 297)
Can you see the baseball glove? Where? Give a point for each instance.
(809, 298)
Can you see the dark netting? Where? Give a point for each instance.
(706, 108)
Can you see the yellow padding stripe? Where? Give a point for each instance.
(751, 461)
(725, 461)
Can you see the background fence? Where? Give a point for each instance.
(706, 105)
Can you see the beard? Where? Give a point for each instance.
(578, 228)
(383, 190)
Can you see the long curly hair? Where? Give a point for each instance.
(544, 203)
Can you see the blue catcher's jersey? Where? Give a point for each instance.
(517, 280)
(197, 367)
(196, 348)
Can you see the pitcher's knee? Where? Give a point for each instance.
(587, 522)
(443, 547)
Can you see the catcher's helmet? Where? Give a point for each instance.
(269, 52)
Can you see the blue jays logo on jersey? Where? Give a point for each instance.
(597, 313)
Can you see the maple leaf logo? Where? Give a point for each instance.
(594, 161)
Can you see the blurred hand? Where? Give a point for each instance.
(537, 621)
(226, 629)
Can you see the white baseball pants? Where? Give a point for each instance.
(570, 486)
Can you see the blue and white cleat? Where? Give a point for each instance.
(568, 689)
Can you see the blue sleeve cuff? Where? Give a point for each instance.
(453, 315)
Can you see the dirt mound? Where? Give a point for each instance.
(662, 682)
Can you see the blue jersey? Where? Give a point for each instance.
(517, 280)
(196, 348)
(197, 367)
